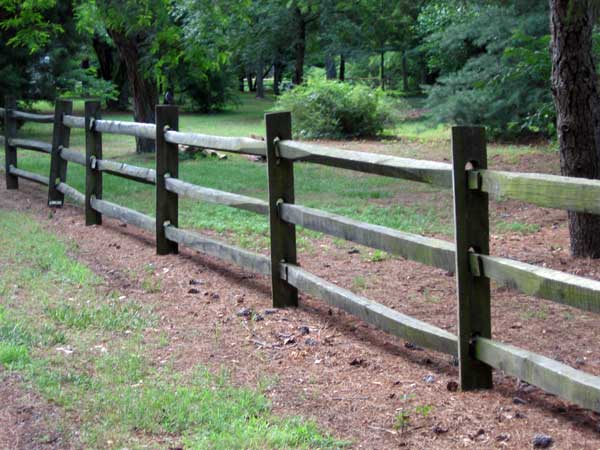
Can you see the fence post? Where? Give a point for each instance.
(167, 164)
(93, 152)
(281, 189)
(471, 224)
(58, 166)
(10, 132)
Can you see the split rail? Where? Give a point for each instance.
(468, 176)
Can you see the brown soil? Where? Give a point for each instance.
(352, 379)
(27, 422)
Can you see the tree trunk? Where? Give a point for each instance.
(143, 89)
(404, 72)
(382, 70)
(260, 85)
(330, 71)
(277, 73)
(251, 87)
(577, 102)
(299, 47)
(111, 70)
(241, 83)
(342, 68)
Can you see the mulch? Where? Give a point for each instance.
(321, 363)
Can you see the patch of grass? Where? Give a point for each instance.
(359, 283)
(360, 196)
(502, 226)
(100, 377)
(151, 285)
(377, 256)
(109, 314)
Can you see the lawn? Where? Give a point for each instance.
(87, 349)
(407, 206)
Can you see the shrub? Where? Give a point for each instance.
(325, 108)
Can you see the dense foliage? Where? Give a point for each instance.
(483, 62)
(494, 66)
(322, 108)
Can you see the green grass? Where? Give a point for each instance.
(83, 348)
(502, 226)
(373, 199)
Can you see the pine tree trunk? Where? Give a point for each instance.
(342, 68)
(577, 102)
(143, 90)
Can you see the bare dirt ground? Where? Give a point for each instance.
(352, 379)
(26, 420)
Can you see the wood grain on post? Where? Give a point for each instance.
(471, 220)
(281, 190)
(167, 164)
(58, 166)
(93, 151)
(10, 152)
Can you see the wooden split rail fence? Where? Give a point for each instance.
(472, 183)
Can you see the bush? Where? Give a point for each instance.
(322, 108)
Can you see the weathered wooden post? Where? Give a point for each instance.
(93, 152)
(58, 166)
(471, 222)
(167, 164)
(281, 189)
(10, 132)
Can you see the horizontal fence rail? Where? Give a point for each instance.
(435, 173)
(125, 215)
(560, 287)
(476, 352)
(73, 121)
(192, 191)
(550, 191)
(28, 144)
(382, 317)
(40, 179)
(141, 130)
(30, 117)
(550, 375)
(226, 144)
(135, 173)
(72, 156)
(430, 251)
(76, 196)
(252, 262)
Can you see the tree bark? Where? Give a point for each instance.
(251, 86)
(143, 89)
(260, 85)
(277, 73)
(299, 47)
(577, 102)
(382, 70)
(330, 69)
(342, 68)
(404, 72)
(111, 69)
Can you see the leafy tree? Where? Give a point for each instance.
(43, 54)
(494, 66)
